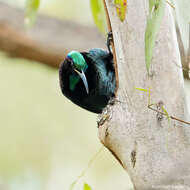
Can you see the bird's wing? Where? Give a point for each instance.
(97, 53)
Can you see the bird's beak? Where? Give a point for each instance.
(83, 77)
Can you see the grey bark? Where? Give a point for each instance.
(154, 151)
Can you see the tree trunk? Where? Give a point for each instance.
(153, 149)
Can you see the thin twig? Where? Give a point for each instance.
(85, 170)
(171, 5)
(113, 47)
(172, 117)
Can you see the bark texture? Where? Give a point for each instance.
(154, 151)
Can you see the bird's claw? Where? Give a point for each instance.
(109, 40)
(103, 119)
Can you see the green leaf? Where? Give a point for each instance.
(87, 187)
(156, 13)
(121, 8)
(31, 8)
(141, 89)
(98, 14)
(166, 113)
(147, 91)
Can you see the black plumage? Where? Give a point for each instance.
(100, 78)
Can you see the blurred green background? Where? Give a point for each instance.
(45, 140)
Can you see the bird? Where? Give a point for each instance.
(88, 78)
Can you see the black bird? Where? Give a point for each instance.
(88, 78)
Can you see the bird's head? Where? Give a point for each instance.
(77, 67)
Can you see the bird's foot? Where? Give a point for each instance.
(109, 40)
(103, 118)
(106, 113)
(112, 101)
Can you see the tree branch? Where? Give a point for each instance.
(48, 41)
